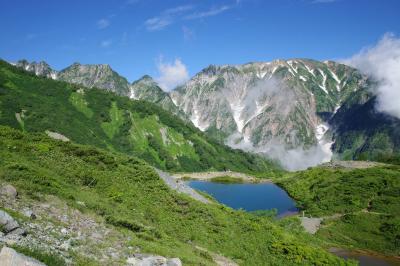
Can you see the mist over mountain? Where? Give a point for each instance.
(284, 109)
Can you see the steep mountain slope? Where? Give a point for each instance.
(263, 101)
(147, 89)
(362, 133)
(142, 214)
(282, 108)
(104, 77)
(100, 76)
(266, 106)
(40, 68)
(103, 119)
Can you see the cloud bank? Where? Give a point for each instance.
(382, 62)
(171, 74)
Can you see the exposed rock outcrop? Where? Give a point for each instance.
(152, 260)
(8, 191)
(10, 257)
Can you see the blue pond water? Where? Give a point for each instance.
(250, 197)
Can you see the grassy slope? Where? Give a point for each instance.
(368, 199)
(105, 120)
(129, 194)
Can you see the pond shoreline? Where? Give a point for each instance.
(208, 176)
(248, 196)
(365, 257)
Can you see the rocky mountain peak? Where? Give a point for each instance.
(146, 79)
(260, 106)
(39, 68)
(95, 75)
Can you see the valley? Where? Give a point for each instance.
(297, 112)
(200, 133)
(163, 186)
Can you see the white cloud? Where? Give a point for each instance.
(211, 12)
(103, 23)
(184, 12)
(171, 74)
(166, 18)
(178, 9)
(157, 23)
(382, 62)
(106, 43)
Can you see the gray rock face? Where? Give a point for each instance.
(7, 223)
(152, 260)
(103, 77)
(8, 191)
(29, 213)
(174, 262)
(265, 107)
(259, 102)
(148, 90)
(9, 257)
(100, 76)
(40, 69)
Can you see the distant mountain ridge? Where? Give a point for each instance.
(281, 108)
(102, 76)
(105, 120)
(287, 109)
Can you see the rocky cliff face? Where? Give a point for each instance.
(287, 109)
(269, 107)
(104, 77)
(147, 89)
(41, 68)
(100, 76)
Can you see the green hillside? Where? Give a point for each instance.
(105, 120)
(130, 196)
(361, 206)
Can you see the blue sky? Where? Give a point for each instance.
(138, 37)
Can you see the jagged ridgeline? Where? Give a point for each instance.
(301, 112)
(291, 105)
(106, 120)
(102, 76)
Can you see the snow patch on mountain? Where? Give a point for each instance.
(310, 70)
(290, 63)
(196, 120)
(320, 131)
(303, 78)
(237, 109)
(132, 94)
(335, 77)
(324, 77)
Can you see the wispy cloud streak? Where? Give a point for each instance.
(184, 12)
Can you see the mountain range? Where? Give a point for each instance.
(106, 144)
(300, 112)
(105, 120)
